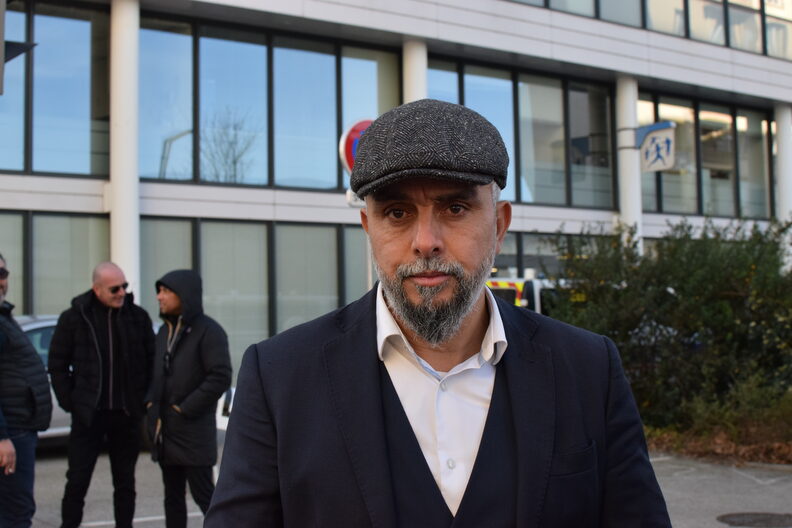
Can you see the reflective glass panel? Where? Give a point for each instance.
(779, 38)
(443, 81)
(233, 88)
(542, 149)
(12, 102)
(717, 160)
(679, 183)
(306, 273)
(590, 145)
(622, 11)
(369, 86)
(579, 7)
(646, 116)
(489, 92)
(745, 29)
(12, 249)
(752, 151)
(234, 272)
(65, 251)
(706, 21)
(531, 2)
(506, 261)
(667, 16)
(166, 104)
(357, 259)
(165, 245)
(779, 8)
(70, 91)
(304, 108)
(539, 257)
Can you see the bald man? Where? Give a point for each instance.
(100, 366)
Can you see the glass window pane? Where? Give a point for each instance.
(65, 251)
(579, 7)
(165, 245)
(531, 2)
(779, 8)
(745, 29)
(539, 257)
(12, 102)
(646, 116)
(706, 21)
(234, 272)
(717, 160)
(71, 91)
(590, 145)
(443, 81)
(542, 150)
(489, 92)
(679, 183)
(306, 140)
(506, 261)
(779, 38)
(12, 249)
(369, 86)
(166, 105)
(667, 16)
(752, 138)
(307, 277)
(233, 88)
(621, 11)
(356, 258)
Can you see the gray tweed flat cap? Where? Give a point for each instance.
(429, 139)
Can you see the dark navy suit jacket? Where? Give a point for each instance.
(306, 445)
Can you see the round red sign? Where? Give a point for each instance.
(347, 147)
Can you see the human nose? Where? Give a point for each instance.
(427, 239)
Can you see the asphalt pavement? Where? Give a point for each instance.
(697, 493)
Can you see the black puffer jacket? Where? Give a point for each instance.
(198, 373)
(25, 401)
(75, 362)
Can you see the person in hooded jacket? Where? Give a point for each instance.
(192, 370)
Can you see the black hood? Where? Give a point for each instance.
(187, 285)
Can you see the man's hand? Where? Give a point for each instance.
(7, 456)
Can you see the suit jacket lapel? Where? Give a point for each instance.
(352, 366)
(529, 370)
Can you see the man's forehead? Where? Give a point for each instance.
(407, 189)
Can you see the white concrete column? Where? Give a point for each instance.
(415, 63)
(630, 198)
(124, 188)
(783, 168)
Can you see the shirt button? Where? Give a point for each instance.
(443, 386)
(450, 463)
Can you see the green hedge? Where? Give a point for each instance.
(703, 320)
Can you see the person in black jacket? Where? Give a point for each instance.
(192, 370)
(100, 363)
(25, 407)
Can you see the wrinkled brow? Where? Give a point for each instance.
(389, 194)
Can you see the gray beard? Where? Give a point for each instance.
(434, 322)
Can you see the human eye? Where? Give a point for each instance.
(457, 209)
(395, 213)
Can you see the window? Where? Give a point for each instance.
(542, 147)
(489, 92)
(578, 7)
(752, 149)
(166, 104)
(233, 88)
(443, 81)
(357, 258)
(717, 161)
(667, 16)
(621, 11)
(779, 28)
(306, 268)
(679, 184)
(12, 102)
(590, 146)
(646, 116)
(65, 251)
(304, 107)
(165, 245)
(12, 248)
(505, 264)
(745, 25)
(706, 21)
(235, 277)
(71, 91)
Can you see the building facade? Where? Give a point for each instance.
(204, 134)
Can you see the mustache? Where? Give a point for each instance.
(424, 265)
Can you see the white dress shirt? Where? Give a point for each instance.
(447, 410)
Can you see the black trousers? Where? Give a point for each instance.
(122, 434)
(201, 487)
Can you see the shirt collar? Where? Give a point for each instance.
(492, 346)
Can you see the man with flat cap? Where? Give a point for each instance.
(428, 402)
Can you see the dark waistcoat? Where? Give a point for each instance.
(490, 497)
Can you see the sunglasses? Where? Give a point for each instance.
(4, 273)
(114, 289)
